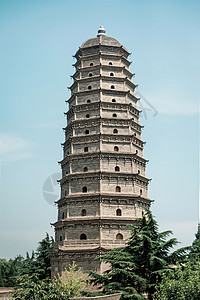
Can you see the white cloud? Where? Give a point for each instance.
(14, 148)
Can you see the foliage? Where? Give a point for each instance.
(195, 248)
(72, 281)
(38, 263)
(61, 288)
(182, 284)
(42, 264)
(137, 268)
(32, 288)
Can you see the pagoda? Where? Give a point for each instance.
(103, 184)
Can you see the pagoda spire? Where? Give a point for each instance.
(101, 31)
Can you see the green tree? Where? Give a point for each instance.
(72, 281)
(42, 264)
(194, 252)
(182, 284)
(60, 288)
(32, 288)
(136, 269)
(37, 263)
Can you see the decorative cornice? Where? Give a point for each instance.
(96, 121)
(105, 105)
(103, 175)
(101, 197)
(104, 78)
(101, 155)
(100, 54)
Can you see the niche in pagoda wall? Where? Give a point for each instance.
(92, 185)
(116, 84)
(112, 233)
(92, 113)
(80, 165)
(120, 186)
(87, 130)
(111, 163)
(84, 209)
(114, 98)
(90, 73)
(112, 72)
(88, 98)
(90, 62)
(115, 129)
(117, 211)
(80, 148)
(108, 113)
(77, 231)
(116, 61)
(85, 85)
(111, 146)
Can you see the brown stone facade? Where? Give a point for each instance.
(103, 184)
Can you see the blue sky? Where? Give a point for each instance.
(38, 39)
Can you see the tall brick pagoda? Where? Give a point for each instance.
(103, 184)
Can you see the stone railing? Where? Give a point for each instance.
(106, 297)
(5, 293)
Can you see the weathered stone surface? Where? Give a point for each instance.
(103, 184)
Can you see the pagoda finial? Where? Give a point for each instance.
(101, 31)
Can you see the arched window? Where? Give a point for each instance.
(112, 87)
(116, 148)
(115, 130)
(65, 193)
(63, 215)
(85, 169)
(84, 189)
(136, 152)
(83, 236)
(113, 100)
(114, 115)
(110, 63)
(91, 64)
(83, 212)
(87, 116)
(118, 212)
(111, 74)
(118, 189)
(60, 238)
(119, 236)
(140, 192)
(138, 171)
(134, 134)
(88, 101)
(89, 87)
(86, 149)
(87, 132)
(117, 169)
(90, 74)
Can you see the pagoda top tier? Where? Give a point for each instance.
(102, 39)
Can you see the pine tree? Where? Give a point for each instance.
(194, 253)
(43, 265)
(137, 268)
